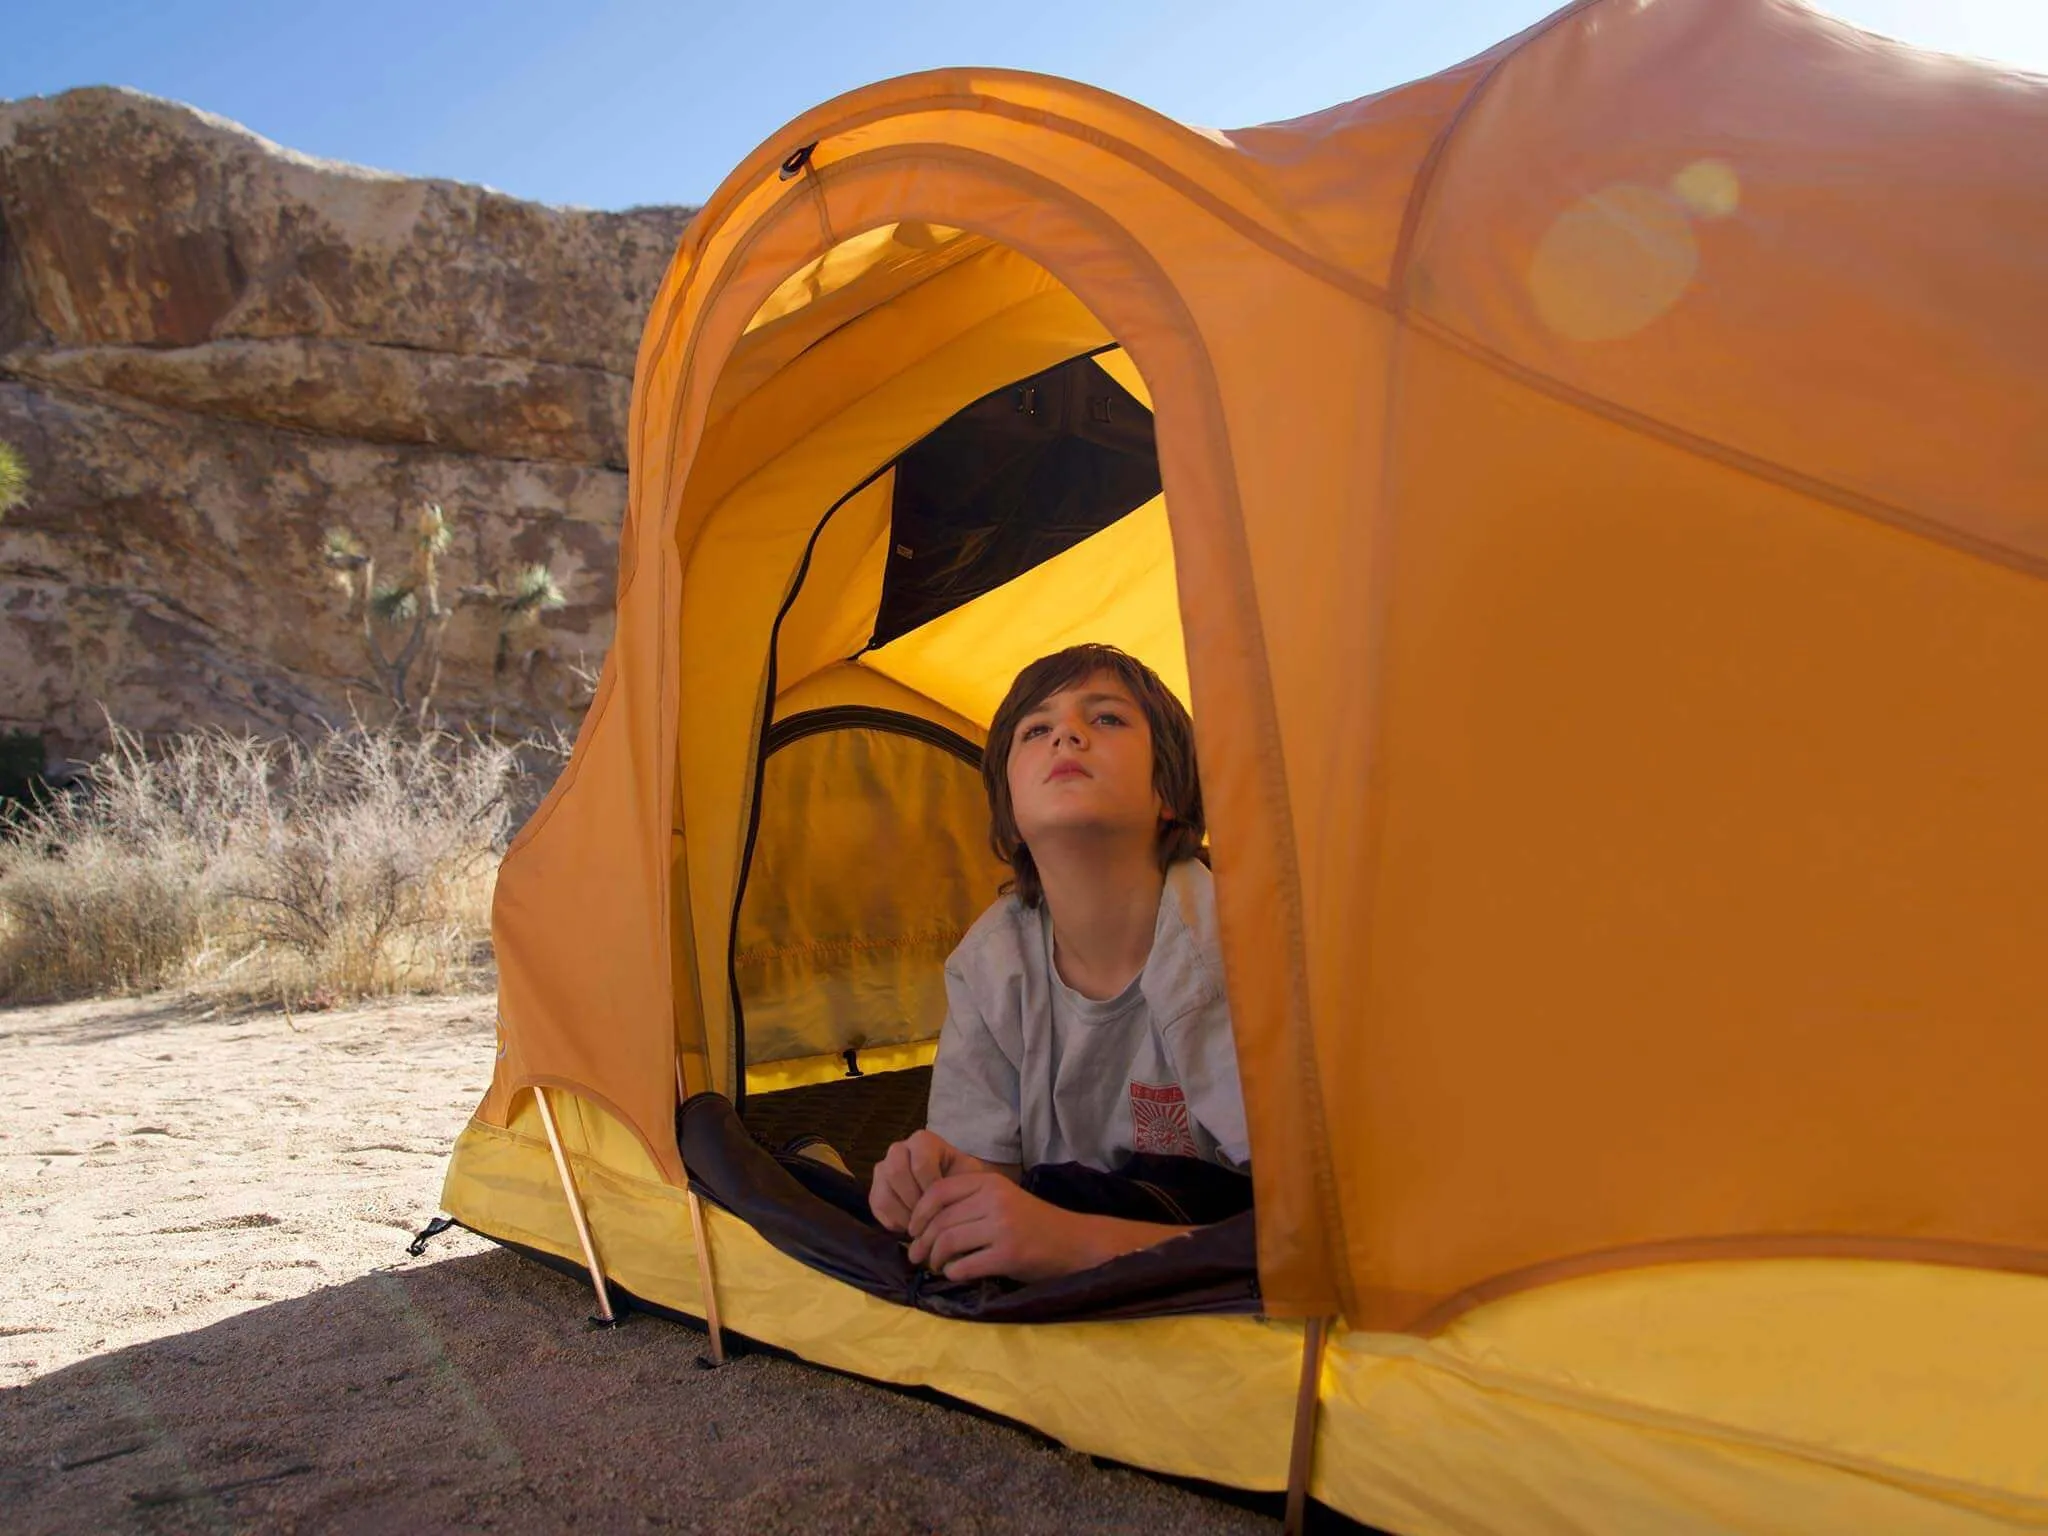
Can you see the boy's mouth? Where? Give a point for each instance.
(1067, 770)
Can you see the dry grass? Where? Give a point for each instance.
(357, 865)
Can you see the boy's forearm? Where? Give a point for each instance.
(1102, 1238)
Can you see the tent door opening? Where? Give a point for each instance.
(867, 853)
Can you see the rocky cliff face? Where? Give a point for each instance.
(213, 351)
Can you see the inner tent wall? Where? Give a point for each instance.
(866, 857)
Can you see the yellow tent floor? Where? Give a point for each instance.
(1782, 1395)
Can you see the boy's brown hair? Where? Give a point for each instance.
(1174, 777)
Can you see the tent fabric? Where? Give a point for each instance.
(1599, 538)
(1772, 1395)
(1603, 486)
(1115, 588)
(850, 909)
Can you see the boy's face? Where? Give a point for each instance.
(1082, 762)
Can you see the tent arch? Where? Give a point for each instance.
(1109, 268)
(1170, 152)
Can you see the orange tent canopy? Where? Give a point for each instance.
(1605, 495)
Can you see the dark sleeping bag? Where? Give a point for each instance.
(819, 1216)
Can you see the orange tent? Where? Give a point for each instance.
(1601, 538)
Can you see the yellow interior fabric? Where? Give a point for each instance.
(871, 861)
(1117, 363)
(834, 611)
(837, 288)
(1117, 587)
(749, 552)
(865, 257)
(851, 683)
(781, 381)
(836, 946)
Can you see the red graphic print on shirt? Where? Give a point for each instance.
(1159, 1120)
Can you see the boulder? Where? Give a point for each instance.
(214, 350)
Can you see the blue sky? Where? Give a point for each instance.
(608, 103)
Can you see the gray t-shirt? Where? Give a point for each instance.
(1029, 1071)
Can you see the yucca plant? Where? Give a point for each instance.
(13, 479)
(531, 592)
(405, 616)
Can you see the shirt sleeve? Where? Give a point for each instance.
(974, 1099)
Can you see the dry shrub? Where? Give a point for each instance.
(102, 917)
(374, 874)
(358, 864)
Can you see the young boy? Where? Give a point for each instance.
(1086, 1015)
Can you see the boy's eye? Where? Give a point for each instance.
(1030, 731)
(1109, 717)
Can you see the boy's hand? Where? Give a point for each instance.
(911, 1167)
(973, 1225)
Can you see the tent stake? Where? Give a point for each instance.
(704, 1280)
(547, 1120)
(1301, 1457)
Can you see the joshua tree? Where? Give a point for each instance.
(13, 479)
(405, 618)
(519, 603)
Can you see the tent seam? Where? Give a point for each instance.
(1287, 247)
(2000, 1258)
(1423, 189)
(951, 88)
(1841, 497)
(1380, 523)
(1422, 194)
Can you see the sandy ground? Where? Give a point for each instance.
(208, 1322)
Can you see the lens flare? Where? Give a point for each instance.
(1613, 262)
(1710, 188)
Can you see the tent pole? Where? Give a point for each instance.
(704, 1280)
(1301, 1456)
(547, 1120)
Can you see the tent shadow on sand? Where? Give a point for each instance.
(467, 1394)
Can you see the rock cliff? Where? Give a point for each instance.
(214, 350)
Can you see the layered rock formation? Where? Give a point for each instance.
(213, 350)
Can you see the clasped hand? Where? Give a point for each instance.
(968, 1220)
